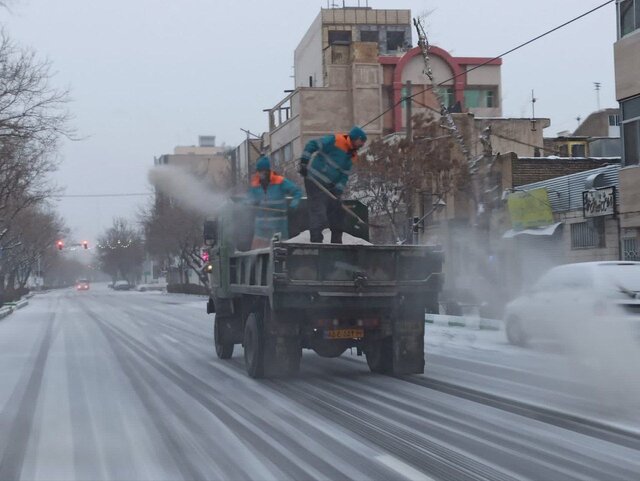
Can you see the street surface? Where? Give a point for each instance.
(126, 386)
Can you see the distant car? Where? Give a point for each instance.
(568, 297)
(121, 286)
(82, 285)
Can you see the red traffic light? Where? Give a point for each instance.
(85, 245)
(60, 245)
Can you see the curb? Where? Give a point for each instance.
(462, 321)
(21, 303)
(5, 311)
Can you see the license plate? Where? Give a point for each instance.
(344, 334)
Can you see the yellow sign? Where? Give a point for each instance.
(530, 209)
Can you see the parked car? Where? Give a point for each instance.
(82, 285)
(121, 286)
(572, 297)
(151, 287)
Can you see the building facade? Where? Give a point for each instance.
(354, 66)
(627, 62)
(206, 162)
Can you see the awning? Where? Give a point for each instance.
(545, 230)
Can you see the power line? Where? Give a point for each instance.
(524, 44)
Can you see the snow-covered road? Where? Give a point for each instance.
(126, 385)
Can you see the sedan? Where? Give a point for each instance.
(574, 300)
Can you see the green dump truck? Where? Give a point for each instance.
(291, 296)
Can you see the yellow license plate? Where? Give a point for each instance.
(344, 334)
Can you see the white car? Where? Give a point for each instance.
(573, 299)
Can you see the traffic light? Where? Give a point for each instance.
(85, 245)
(60, 245)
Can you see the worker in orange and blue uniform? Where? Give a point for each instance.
(328, 161)
(268, 193)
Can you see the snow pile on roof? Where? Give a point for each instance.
(304, 237)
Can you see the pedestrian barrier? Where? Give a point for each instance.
(5, 311)
(472, 322)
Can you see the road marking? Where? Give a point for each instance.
(170, 339)
(402, 468)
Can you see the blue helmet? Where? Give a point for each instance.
(357, 133)
(263, 163)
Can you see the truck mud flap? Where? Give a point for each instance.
(408, 354)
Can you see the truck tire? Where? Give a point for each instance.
(254, 347)
(379, 355)
(294, 355)
(224, 350)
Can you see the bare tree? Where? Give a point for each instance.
(33, 117)
(173, 232)
(120, 251)
(32, 236)
(396, 173)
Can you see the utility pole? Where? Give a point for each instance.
(408, 103)
(533, 111)
(597, 86)
(416, 198)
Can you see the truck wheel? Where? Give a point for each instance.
(224, 350)
(293, 359)
(515, 332)
(380, 356)
(254, 347)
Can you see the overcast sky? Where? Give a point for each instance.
(147, 75)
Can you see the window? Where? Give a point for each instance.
(631, 131)
(490, 102)
(578, 150)
(631, 142)
(589, 234)
(630, 249)
(479, 98)
(395, 40)
(288, 153)
(277, 157)
(563, 150)
(629, 16)
(630, 108)
(369, 36)
(339, 36)
(614, 120)
(447, 96)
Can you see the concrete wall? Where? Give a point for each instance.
(503, 130)
(214, 169)
(307, 58)
(627, 63)
(484, 76)
(630, 197)
(414, 71)
(610, 252)
(529, 170)
(365, 16)
(196, 150)
(597, 124)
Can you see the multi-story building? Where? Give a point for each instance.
(597, 136)
(354, 66)
(627, 60)
(206, 161)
